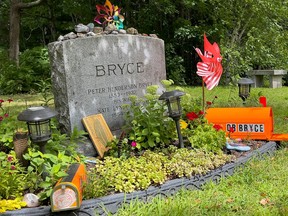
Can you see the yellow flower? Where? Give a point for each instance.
(183, 124)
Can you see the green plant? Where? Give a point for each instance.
(46, 170)
(119, 147)
(13, 178)
(151, 168)
(7, 126)
(64, 142)
(146, 123)
(206, 137)
(45, 91)
(34, 66)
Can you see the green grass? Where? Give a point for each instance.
(19, 104)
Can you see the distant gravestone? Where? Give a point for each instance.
(97, 74)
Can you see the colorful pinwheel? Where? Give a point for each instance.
(109, 14)
(210, 69)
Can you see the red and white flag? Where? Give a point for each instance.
(210, 69)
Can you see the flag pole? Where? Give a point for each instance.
(203, 95)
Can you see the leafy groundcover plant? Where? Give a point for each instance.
(151, 168)
(149, 155)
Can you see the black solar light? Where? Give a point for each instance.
(172, 99)
(38, 122)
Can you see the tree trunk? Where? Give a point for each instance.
(14, 32)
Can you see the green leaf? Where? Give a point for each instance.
(156, 134)
(61, 174)
(151, 142)
(45, 185)
(145, 132)
(56, 168)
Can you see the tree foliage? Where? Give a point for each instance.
(250, 33)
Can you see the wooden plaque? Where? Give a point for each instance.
(98, 131)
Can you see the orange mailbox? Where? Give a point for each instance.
(248, 123)
(67, 194)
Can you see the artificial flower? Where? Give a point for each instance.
(217, 127)
(191, 116)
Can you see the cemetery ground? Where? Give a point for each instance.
(260, 188)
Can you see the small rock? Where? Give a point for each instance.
(90, 34)
(115, 32)
(153, 35)
(90, 26)
(110, 28)
(70, 35)
(81, 28)
(98, 30)
(81, 35)
(132, 31)
(122, 31)
(31, 199)
(145, 34)
(61, 38)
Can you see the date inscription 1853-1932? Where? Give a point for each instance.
(119, 69)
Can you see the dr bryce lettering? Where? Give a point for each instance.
(119, 69)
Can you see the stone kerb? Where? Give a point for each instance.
(97, 74)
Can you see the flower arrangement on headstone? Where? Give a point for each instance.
(109, 16)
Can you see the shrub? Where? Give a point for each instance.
(146, 123)
(33, 67)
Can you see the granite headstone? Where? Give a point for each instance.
(97, 74)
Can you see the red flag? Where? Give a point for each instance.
(210, 69)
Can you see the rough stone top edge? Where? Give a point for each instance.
(110, 35)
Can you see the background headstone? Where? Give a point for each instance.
(97, 74)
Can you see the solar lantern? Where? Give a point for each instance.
(244, 85)
(38, 123)
(172, 99)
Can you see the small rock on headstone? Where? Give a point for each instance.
(115, 32)
(81, 28)
(145, 34)
(122, 31)
(132, 31)
(89, 34)
(90, 26)
(98, 30)
(153, 35)
(81, 35)
(61, 38)
(110, 28)
(31, 199)
(70, 35)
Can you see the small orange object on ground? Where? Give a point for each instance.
(67, 193)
